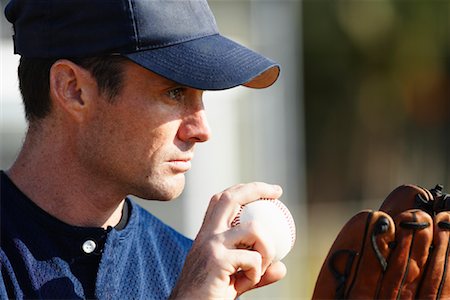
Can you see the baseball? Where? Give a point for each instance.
(276, 220)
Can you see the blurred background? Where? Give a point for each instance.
(362, 106)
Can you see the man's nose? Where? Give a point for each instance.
(195, 127)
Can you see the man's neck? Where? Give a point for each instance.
(64, 190)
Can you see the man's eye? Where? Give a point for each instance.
(176, 94)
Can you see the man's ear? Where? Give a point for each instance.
(72, 88)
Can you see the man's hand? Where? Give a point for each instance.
(226, 261)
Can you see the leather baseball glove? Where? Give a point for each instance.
(400, 251)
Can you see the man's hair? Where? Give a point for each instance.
(34, 80)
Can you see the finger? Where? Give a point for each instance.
(255, 190)
(414, 234)
(248, 264)
(224, 206)
(274, 272)
(375, 250)
(438, 275)
(361, 247)
(406, 197)
(251, 236)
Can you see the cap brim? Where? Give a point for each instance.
(209, 63)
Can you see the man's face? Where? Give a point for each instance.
(143, 142)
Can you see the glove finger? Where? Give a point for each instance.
(433, 286)
(348, 253)
(407, 197)
(373, 257)
(414, 234)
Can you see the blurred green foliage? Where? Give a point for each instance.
(377, 96)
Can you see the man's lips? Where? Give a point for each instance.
(180, 164)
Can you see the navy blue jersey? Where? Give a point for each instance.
(44, 258)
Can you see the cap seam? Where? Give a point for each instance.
(173, 43)
(206, 11)
(135, 27)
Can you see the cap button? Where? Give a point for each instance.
(89, 246)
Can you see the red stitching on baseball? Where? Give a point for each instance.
(285, 212)
(237, 219)
(288, 217)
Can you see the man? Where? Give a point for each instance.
(113, 97)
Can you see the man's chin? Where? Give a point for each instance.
(164, 191)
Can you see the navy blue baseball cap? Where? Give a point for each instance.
(177, 39)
